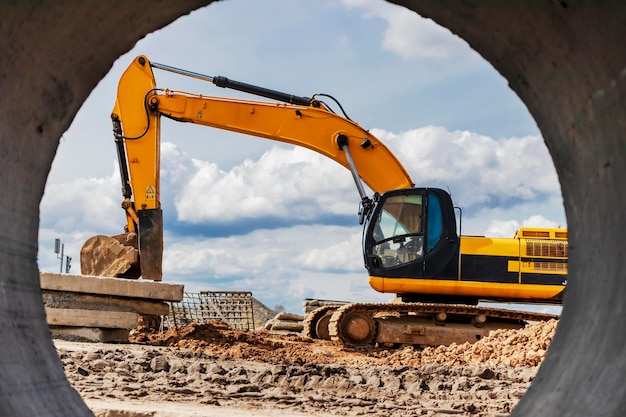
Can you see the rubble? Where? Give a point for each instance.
(284, 321)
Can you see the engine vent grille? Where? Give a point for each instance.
(546, 248)
(535, 233)
(541, 233)
(550, 267)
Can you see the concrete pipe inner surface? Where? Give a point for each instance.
(565, 60)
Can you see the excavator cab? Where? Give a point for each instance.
(411, 233)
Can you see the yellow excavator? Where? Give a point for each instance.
(412, 244)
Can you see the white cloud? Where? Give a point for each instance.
(289, 183)
(337, 256)
(507, 228)
(297, 184)
(493, 178)
(479, 170)
(499, 228)
(539, 221)
(410, 35)
(84, 204)
(296, 248)
(277, 265)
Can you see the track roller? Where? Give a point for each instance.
(479, 320)
(352, 327)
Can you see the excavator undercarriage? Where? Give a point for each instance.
(361, 325)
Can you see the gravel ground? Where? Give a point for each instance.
(212, 370)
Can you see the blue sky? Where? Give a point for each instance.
(243, 213)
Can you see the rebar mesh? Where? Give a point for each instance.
(231, 307)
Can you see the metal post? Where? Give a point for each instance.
(58, 246)
(61, 258)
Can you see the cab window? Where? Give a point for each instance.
(398, 230)
(435, 221)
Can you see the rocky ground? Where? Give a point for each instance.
(213, 370)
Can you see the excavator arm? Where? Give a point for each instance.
(297, 120)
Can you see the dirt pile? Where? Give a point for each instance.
(515, 348)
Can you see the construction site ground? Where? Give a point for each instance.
(214, 370)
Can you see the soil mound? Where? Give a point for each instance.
(515, 348)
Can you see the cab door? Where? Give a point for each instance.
(441, 249)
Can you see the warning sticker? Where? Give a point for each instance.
(150, 193)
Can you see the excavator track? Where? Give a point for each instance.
(317, 321)
(367, 325)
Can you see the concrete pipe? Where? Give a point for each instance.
(53, 55)
(564, 59)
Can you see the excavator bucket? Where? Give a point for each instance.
(151, 243)
(127, 255)
(110, 256)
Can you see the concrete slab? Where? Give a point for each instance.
(91, 318)
(90, 334)
(75, 300)
(111, 286)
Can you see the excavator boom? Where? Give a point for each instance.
(299, 121)
(310, 127)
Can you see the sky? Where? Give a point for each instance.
(243, 213)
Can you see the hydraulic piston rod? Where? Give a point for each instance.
(239, 86)
(366, 202)
(342, 142)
